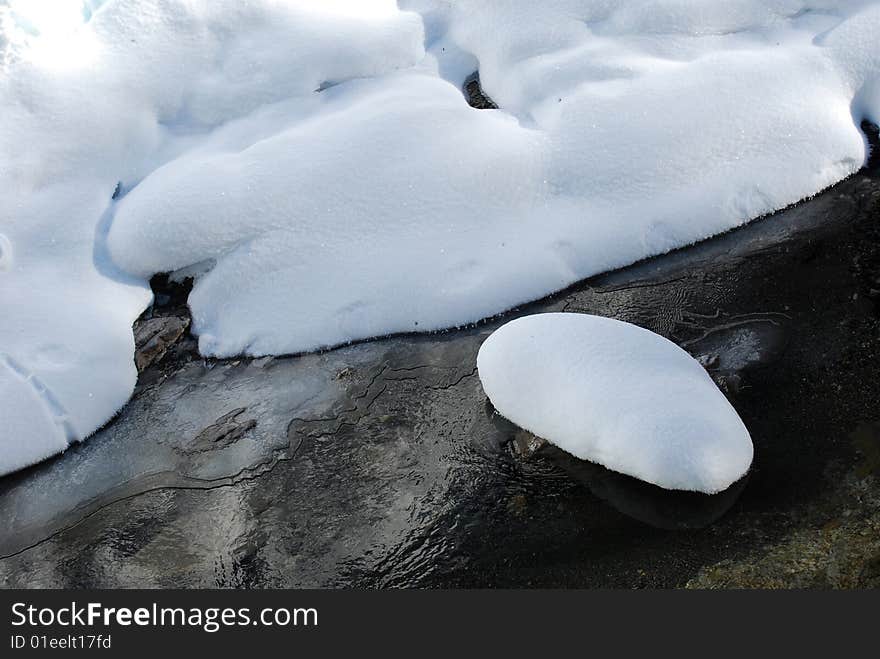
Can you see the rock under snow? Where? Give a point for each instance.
(618, 395)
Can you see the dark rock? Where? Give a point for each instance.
(730, 383)
(709, 361)
(474, 94)
(525, 444)
(153, 338)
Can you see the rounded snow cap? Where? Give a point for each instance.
(618, 395)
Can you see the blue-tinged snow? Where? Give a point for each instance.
(321, 160)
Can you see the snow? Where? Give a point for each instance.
(84, 106)
(319, 167)
(33, 418)
(619, 395)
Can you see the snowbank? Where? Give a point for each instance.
(616, 394)
(320, 156)
(87, 105)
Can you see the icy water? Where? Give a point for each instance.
(383, 465)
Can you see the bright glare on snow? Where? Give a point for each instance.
(47, 18)
(49, 32)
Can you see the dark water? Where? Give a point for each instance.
(380, 464)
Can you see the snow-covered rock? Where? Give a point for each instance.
(319, 164)
(618, 395)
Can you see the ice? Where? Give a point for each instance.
(619, 395)
(317, 164)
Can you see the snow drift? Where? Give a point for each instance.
(320, 164)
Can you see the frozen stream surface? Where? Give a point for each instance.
(382, 464)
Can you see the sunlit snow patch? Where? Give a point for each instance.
(618, 395)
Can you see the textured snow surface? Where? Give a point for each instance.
(317, 162)
(616, 394)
